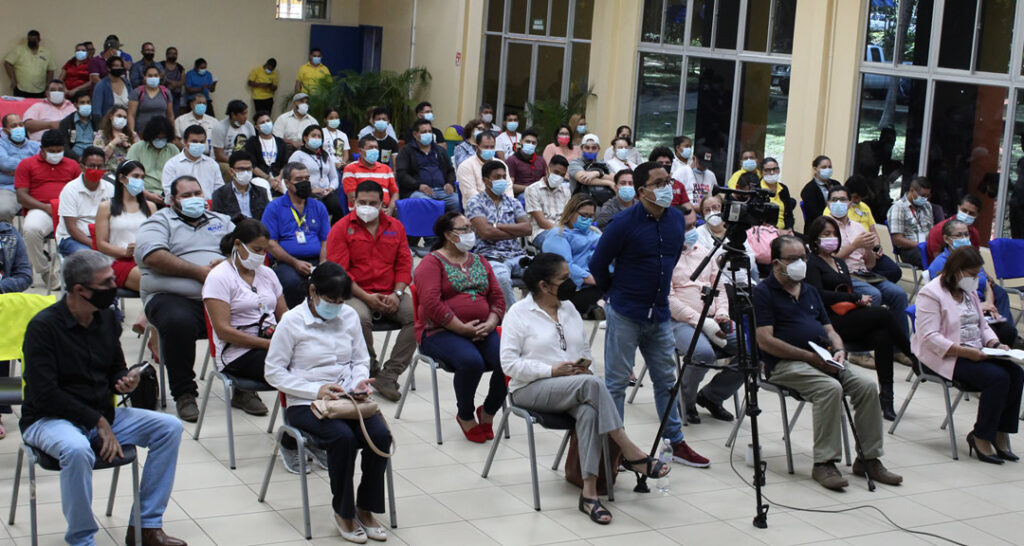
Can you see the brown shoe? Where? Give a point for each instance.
(877, 471)
(249, 402)
(187, 408)
(828, 476)
(387, 386)
(864, 360)
(903, 359)
(152, 537)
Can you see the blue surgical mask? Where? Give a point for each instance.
(153, 81)
(199, 109)
(838, 209)
(201, 71)
(964, 217)
(380, 125)
(266, 127)
(627, 193)
(135, 186)
(333, 123)
(315, 143)
(316, 60)
(81, 55)
(686, 153)
(196, 149)
(426, 139)
(487, 155)
(512, 125)
(159, 143)
(85, 110)
(589, 156)
(429, 116)
(18, 135)
(193, 207)
(328, 310)
(581, 129)
(826, 173)
(921, 201)
(663, 196)
(499, 186)
(691, 238)
(371, 156)
(621, 153)
(583, 224)
(961, 241)
(529, 149)
(749, 164)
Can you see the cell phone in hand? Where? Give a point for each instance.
(582, 363)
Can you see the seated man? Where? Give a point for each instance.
(383, 133)
(193, 161)
(77, 367)
(499, 221)
(910, 219)
(790, 314)
(14, 147)
(373, 250)
(289, 125)
(175, 249)
(967, 211)
(241, 196)
(509, 140)
(47, 114)
(525, 165)
(470, 171)
(80, 127)
(590, 175)
(625, 197)
(686, 305)
(79, 201)
(546, 198)
(196, 115)
(38, 181)
(369, 167)
(298, 229)
(423, 169)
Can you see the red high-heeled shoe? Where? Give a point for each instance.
(488, 428)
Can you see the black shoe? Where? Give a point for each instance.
(692, 417)
(973, 447)
(716, 410)
(1007, 455)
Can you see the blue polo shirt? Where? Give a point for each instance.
(795, 321)
(645, 250)
(279, 217)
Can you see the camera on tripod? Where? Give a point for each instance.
(755, 210)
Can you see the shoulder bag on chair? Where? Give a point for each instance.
(349, 408)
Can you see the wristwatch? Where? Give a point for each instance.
(399, 293)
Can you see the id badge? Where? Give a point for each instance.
(300, 237)
(922, 237)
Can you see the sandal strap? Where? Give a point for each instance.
(597, 510)
(652, 469)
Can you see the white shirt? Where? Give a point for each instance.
(335, 143)
(507, 144)
(306, 352)
(189, 119)
(531, 345)
(205, 170)
(616, 165)
(289, 126)
(77, 201)
(322, 173)
(707, 240)
(684, 175)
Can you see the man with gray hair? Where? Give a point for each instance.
(74, 367)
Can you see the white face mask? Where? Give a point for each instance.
(366, 213)
(119, 123)
(797, 270)
(772, 178)
(554, 180)
(715, 219)
(968, 284)
(243, 177)
(466, 241)
(57, 97)
(254, 261)
(303, 108)
(54, 158)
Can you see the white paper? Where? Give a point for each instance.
(825, 355)
(1015, 355)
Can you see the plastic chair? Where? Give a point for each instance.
(56, 258)
(418, 216)
(923, 249)
(885, 240)
(231, 382)
(1008, 261)
(301, 439)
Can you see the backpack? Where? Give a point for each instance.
(146, 394)
(163, 91)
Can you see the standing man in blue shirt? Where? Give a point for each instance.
(644, 243)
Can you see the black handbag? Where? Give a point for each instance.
(147, 392)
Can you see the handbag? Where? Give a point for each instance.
(349, 408)
(146, 393)
(573, 472)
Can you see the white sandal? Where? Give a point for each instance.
(358, 536)
(376, 533)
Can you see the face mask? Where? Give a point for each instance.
(254, 261)
(838, 209)
(371, 156)
(380, 125)
(426, 139)
(466, 241)
(691, 238)
(512, 126)
(81, 55)
(315, 143)
(243, 177)
(57, 97)
(121, 123)
(715, 219)
(772, 178)
(85, 110)
(53, 158)
(148, 56)
(563, 140)
(102, 298)
(328, 310)
(366, 213)
(583, 224)
(135, 186)
(627, 193)
(829, 244)
(268, 71)
(621, 154)
(333, 123)
(94, 175)
(487, 118)
(196, 149)
(153, 81)
(317, 60)
(303, 108)
(663, 196)
(686, 153)
(117, 72)
(581, 129)
(554, 180)
(825, 174)
(961, 241)
(499, 186)
(529, 149)
(429, 116)
(193, 207)
(566, 290)
(201, 71)
(303, 189)
(487, 155)
(968, 284)
(475, 133)
(797, 270)
(920, 201)
(18, 135)
(589, 156)
(749, 164)
(172, 59)
(158, 143)
(199, 109)
(964, 217)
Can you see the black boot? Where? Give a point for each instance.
(885, 398)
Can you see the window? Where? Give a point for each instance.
(302, 9)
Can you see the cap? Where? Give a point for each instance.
(591, 138)
(299, 96)
(111, 43)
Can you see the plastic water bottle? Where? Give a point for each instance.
(665, 457)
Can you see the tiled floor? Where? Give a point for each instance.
(443, 500)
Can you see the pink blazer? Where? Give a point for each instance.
(938, 327)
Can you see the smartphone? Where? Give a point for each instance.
(582, 363)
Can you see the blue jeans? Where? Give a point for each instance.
(470, 360)
(894, 297)
(504, 271)
(69, 246)
(69, 444)
(292, 284)
(451, 200)
(657, 345)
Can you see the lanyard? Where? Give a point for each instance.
(298, 221)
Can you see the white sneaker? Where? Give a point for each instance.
(319, 455)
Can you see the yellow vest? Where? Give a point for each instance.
(17, 309)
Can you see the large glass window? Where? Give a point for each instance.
(708, 108)
(900, 31)
(657, 99)
(1013, 215)
(762, 109)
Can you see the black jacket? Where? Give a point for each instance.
(833, 286)
(224, 200)
(407, 168)
(67, 130)
(813, 202)
(255, 149)
(790, 203)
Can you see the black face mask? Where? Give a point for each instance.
(303, 189)
(32, 44)
(566, 290)
(102, 297)
(172, 59)
(117, 72)
(148, 56)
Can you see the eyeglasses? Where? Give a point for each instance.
(561, 336)
(771, 170)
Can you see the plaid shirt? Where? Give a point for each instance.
(911, 221)
(508, 212)
(550, 202)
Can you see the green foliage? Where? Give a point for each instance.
(546, 115)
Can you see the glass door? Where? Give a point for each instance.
(531, 71)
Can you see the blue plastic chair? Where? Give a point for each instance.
(923, 249)
(418, 216)
(803, 210)
(1008, 259)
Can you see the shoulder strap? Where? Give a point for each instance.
(366, 435)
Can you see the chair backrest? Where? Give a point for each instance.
(912, 314)
(263, 183)
(54, 215)
(923, 249)
(1007, 258)
(16, 310)
(209, 334)
(885, 239)
(92, 235)
(415, 303)
(418, 216)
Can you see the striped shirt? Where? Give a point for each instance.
(357, 172)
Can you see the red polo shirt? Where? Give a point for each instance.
(357, 172)
(375, 263)
(45, 181)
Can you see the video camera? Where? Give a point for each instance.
(755, 211)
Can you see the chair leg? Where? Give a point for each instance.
(504, 409)
(206, 364)
(17, 485)
(608, 468)
(145, 340)
(384, 350)
(960, 396)
(949, 417)
(202, 408)
(533, 463)
(785, 434)
(32, 502)
(270, 465)
(741, 414)
(113, 491)
(405, 388)
(137, 502)
(437, 404)
(392, 510)
(639, 382)
(273, 414)
(593, 332)
(796, 415)
(494, 445)
(229, 392)
(301, 443)
(163, 373)
(561, 450)
(910, 375)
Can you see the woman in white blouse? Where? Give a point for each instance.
(544, 350)
(318, 352)
(323, 175)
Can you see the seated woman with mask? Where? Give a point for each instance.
(574, 240)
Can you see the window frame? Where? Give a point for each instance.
(303, 11)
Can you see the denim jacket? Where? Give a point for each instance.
(14, 265)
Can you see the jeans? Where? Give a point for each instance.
(538, 241)
(1000, 384)
(470, 360)
(60, 439)
(9, 207)
(292, 283)
(504, 271)
(723, 385)
(894, 297)
(888, 268)
(657, 345)
(180, 322)
(69, 246)
(451, 200)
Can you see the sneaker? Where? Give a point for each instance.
(683, 454)
(692, 417)
(387, 386)
(188, 410)
(828, 476)
(319, 455)
(877, 471)
(249, 402)
(717, 410)
(290, 460)
(864, 360)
